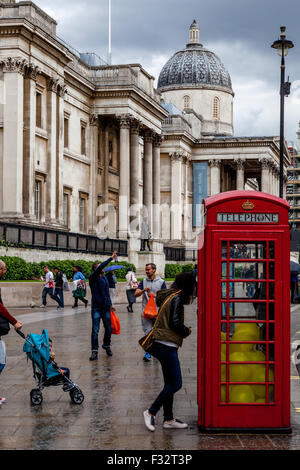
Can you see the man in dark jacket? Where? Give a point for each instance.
(59, 288)
(101, 304)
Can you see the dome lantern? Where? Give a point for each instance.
(194, 34)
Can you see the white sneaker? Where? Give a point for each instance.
(2, 400)
(175, 424)
(42, 306)
(149, 421)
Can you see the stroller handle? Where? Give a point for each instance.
(21, 334)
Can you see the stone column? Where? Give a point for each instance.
(240, 174)
(29, 139)
(60, 153)
(176, 201)
(215, 173)
(50, 189)
(93, 199)
(265, 174)
(124, 191)
(156, 186)
(13, 118)
(148, 177)
(134, 177)
(186, 211)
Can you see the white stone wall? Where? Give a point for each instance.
(201, 101)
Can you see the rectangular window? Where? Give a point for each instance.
(83, 140)
(37, 199)
(66, 209)
(82, 214)
(39, 110)
(66, 133)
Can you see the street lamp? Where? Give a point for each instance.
(282, 45)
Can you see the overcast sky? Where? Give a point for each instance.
(240, 32)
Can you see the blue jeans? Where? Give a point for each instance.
(48, 290)
(97, 314)
(168, 358)
(59, 296)
(67, 372)
(1, 367)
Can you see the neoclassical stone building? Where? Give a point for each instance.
(92, 149)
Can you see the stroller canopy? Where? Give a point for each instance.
(37, 350)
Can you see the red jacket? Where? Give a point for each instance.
(5, 314)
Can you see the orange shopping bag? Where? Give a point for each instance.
(150, 309)
(115, 324)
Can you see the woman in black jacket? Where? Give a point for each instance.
(168, 334)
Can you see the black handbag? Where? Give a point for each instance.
(4, 324)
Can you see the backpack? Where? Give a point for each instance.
(66, 285)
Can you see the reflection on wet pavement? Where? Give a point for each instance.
(117, 390)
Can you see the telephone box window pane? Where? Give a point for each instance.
(245, 310)
(224, 250)
(248, 290)
(271, 250)
(249, 250)
(242, 270)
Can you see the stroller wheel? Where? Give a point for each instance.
(36, 397)
(77, 396)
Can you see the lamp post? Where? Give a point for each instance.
(282, 46)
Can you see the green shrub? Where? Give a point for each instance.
(171, 270)
(16, 268)
(186, 268)
(19, 270)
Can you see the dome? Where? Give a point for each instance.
(194, 67)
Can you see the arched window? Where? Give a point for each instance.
(216, 108)
(186, 102)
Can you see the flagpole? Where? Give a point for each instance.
(109, 32)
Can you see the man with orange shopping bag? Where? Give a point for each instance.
(150, 285)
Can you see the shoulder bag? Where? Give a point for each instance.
(146, 341)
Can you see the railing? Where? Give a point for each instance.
(180, 254)
(24, 236)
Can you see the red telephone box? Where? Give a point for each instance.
(244, 314)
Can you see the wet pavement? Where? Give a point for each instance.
(117, 390)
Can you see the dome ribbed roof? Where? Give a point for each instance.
(194, 66)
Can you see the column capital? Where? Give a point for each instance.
(176, 156)
(149, 136)
(124, 120)
(136, 126)
(32, 71)
(240, 163)
(94, 119)
(157, 140)
(56, 86)
(14, 65)
(215, 163)
(265, 163)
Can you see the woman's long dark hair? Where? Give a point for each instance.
(186, 283)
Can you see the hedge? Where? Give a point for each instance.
(171, 270)
(19, 270)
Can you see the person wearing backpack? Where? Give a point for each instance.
(59, 288)
(5, 319)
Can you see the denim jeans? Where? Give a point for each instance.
(168, 357)
(59, 296)
(1, 367)
(97, 314)
(48, 290)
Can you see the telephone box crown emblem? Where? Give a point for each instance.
(248, 205)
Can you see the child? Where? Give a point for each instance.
(63, 370)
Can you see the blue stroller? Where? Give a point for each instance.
(45, 371)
